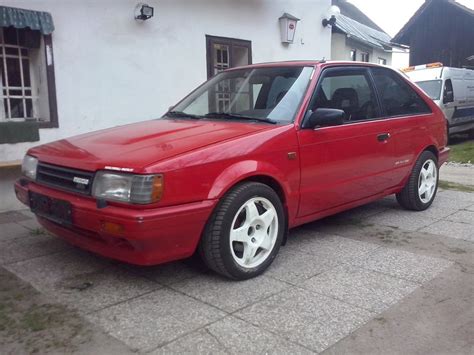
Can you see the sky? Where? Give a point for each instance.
(391, 15)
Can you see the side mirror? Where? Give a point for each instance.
(448, 96)
(324, 117)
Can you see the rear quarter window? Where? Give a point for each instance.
(396, 96)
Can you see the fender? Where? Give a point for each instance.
(243, 170)
(422, 148)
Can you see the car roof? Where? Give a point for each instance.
(311, 63)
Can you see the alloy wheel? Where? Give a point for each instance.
(427, 181)
(254, 232)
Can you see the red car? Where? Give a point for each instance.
(231, 168)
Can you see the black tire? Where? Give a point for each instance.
(409, 198)
(215, 246)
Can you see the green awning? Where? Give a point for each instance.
(21, 18)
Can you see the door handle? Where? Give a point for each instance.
(383, 137)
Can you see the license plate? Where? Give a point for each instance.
(59, 211)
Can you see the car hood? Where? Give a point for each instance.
(133, 147)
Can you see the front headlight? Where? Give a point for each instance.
(140, 189)
(29, 166)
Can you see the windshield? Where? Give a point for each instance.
(261, 94)
(431, 87)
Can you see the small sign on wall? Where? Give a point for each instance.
(288, 27)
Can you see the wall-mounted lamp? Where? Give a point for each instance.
(288, 27)
(333, 12)
(143, 12)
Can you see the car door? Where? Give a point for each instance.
(406, 112)
(346, 163)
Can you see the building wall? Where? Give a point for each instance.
(112, 70)
(341, 47)
(436, 37)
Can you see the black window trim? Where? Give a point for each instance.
(371, 83)
(51, 84)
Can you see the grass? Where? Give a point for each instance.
(453, 186)
(38, 231)
(462, 152)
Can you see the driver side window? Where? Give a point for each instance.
(347, 90)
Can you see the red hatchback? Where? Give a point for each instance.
(249, 154)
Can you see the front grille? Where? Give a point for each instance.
(79, 181)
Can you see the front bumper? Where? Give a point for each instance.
(146, 237)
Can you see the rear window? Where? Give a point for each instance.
(431, 87)
(398, 98)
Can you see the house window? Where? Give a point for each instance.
(26, 77)
(364, 57)
(224, 53)
(382, 61)
(353, 55)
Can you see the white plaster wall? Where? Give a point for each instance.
(376, 54)
(111, 70)
(401, 59)
(341, 48)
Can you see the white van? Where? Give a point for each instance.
(453, 91)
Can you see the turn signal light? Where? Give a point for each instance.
(112, 228)
(157, 190)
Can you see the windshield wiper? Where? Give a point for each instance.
(181, 114)
(239, 117)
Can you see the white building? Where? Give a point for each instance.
(100, 67)
(355, 37)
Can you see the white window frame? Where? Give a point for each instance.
(5, 112)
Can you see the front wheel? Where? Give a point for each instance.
(420, 189)
(245, 232)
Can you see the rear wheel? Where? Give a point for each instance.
(245, 232)
(420, 189)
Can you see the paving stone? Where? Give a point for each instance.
(463, 216)
(449, 201)
(367, 289)
(295, 267)
(29, 246)
(9, 231)
(31, 224)
(458, 195)
(441, 208)
(404, 265)
(27, 213)
(165, 274)
(99, 289)
(406, 220)
(229, 295)
(470, 208)
(156, 318)
(328, 249)
(312, 320)
(363, 211)
(231, 336)
(450, 229)
(46, 271)
(12, 217)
